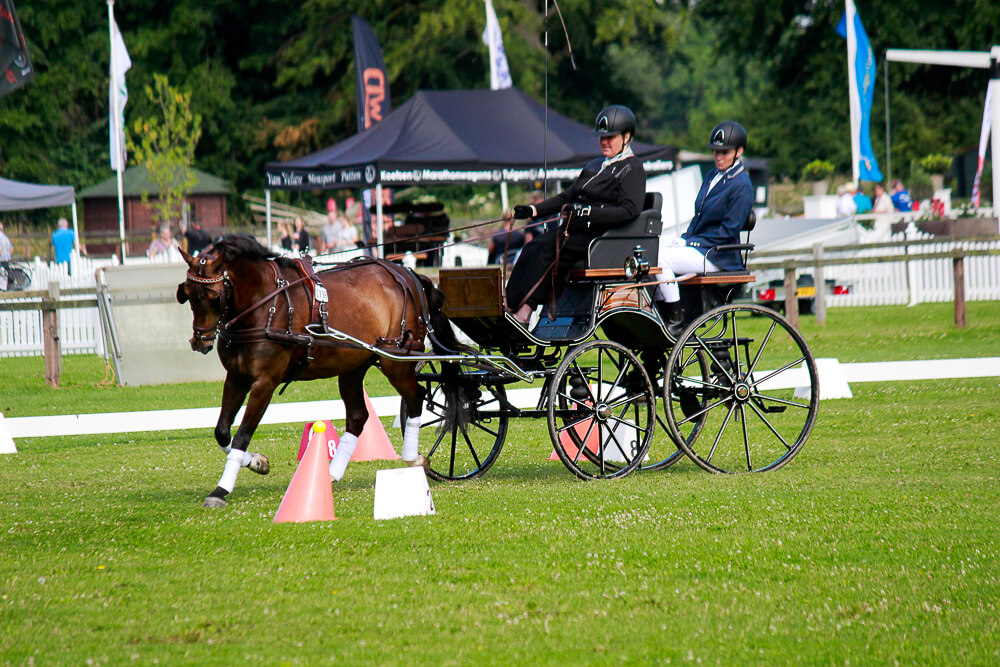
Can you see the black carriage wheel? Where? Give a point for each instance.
(685, 397)
(455, 453)
(602, 410)
(759, 402)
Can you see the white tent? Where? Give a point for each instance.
(18, 196)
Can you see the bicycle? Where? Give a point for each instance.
(15, 277)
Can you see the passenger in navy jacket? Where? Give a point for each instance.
(720, 211)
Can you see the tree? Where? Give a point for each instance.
(165, 145)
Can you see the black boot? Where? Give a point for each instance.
(673, 316)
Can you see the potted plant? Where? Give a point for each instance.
(936, 164)
(818, 172)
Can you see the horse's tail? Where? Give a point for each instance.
(444, 341)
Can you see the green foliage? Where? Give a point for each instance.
(274, 79)
(935, 163)
(919, 184)
(817, 170)
(165, 144)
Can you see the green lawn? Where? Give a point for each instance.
(878, 544)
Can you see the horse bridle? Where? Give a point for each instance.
(208, 334)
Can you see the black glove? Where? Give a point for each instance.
(521, 212)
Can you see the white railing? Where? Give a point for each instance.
(876, 284)
(21, 333)
(918, 280)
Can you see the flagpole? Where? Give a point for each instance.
(852, 88)
(994, 85)
(117, 127)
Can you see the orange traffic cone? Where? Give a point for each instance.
(373, 445)
(570, 446)
(332, 439)
(310, 495)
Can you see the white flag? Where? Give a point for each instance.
(984, 138)
(117, 97)
(499, 72)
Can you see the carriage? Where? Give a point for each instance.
(737, 391)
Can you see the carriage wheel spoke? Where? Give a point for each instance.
(746, 438)
(722, 429)
(771, 428)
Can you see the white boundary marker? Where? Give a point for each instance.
(281, 413)
(6, 441)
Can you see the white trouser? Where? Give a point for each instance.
(678, 259)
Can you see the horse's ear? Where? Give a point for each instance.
(182, 296)
(187, 258)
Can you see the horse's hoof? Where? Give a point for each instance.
(259, 463)
(212, 501)
(420, 462)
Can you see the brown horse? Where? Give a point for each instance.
(258, 305)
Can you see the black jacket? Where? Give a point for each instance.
(601, 199)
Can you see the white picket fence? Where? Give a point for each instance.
(918, 280)
(887, 283)
(79, 328)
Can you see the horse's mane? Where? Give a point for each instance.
(233, 247)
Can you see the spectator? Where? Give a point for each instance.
(338, 233)
(862, 202)
(300, 239)
(901, 196)
(506, 240)
(6, 251)
(285, 241)
(63, 239)
(162, 244)
(846, 205)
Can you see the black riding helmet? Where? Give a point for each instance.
(613, 120)
(727, 134)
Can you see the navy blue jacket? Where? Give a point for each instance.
(719, 216)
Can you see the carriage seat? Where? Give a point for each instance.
(730, 277)
(610, 249)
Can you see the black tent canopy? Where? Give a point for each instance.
(457, 136)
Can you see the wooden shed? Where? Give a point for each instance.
(204, 203)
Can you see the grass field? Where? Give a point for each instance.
(878, 544)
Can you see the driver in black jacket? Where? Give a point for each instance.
(608, 193)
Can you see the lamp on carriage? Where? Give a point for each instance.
(636, 265)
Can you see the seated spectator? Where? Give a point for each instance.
(901, 196)
(506, 240)
(162, 244)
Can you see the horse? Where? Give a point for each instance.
(255, 306)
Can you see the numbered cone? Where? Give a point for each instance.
(310, 496)
(332, 439)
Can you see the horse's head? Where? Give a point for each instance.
(205, 289)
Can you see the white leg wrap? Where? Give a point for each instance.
(234, 461)
(226, 449)
(411, 435)
(345, 448)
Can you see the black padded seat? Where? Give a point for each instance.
(610, 249)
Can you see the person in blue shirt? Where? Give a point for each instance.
(900, 196)
(862, 202)
(62, 241)
(721, 209)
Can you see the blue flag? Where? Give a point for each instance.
(864, 80)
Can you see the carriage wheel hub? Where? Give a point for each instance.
(742, 391)
(602, 411)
